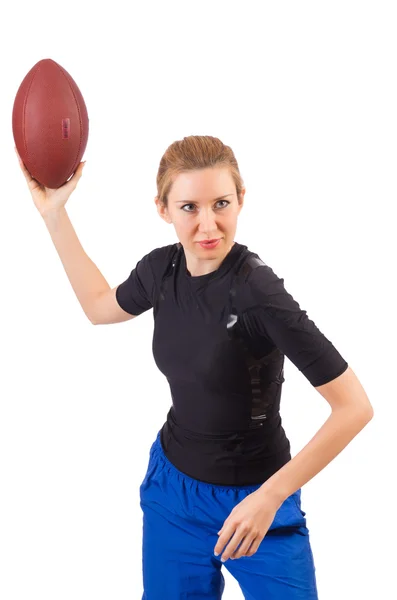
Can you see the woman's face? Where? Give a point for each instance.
(203, 205)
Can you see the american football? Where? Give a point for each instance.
(50, 123)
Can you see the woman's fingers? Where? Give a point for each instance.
(23, 168)
(77, 175)
(71, 184)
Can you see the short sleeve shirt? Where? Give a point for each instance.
(220, 340)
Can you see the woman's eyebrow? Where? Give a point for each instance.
(193, 201)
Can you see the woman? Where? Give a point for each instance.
(221, 486)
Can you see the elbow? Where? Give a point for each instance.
(91, 317)
(362, 414)
(365, 414)
(366, 409)
(370, 412)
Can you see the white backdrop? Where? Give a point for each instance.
(305, 94)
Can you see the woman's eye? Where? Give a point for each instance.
(184, 206)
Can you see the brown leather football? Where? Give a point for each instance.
(50, 123)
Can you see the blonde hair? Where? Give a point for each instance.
(192, 153)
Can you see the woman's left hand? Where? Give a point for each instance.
(249, 521)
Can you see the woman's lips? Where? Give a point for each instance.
(210, 244)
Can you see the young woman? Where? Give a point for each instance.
(221, 486)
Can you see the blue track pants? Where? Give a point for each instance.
(181, 518)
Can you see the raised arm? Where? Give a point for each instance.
(96, 298)
(93, 292)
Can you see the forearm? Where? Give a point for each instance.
(85, 278)
(335, 434)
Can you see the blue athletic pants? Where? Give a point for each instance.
(181, 518)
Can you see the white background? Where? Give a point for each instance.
(305, 94)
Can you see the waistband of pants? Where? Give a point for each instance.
(157, 451)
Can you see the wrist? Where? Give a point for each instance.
(52, 215)
(273, 495)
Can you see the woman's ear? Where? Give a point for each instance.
(162, 210)
(241, 198)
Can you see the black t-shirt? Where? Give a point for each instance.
(220, 340)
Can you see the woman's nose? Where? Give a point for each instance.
(207, 221)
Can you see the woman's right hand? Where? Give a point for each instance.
(49, 200)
